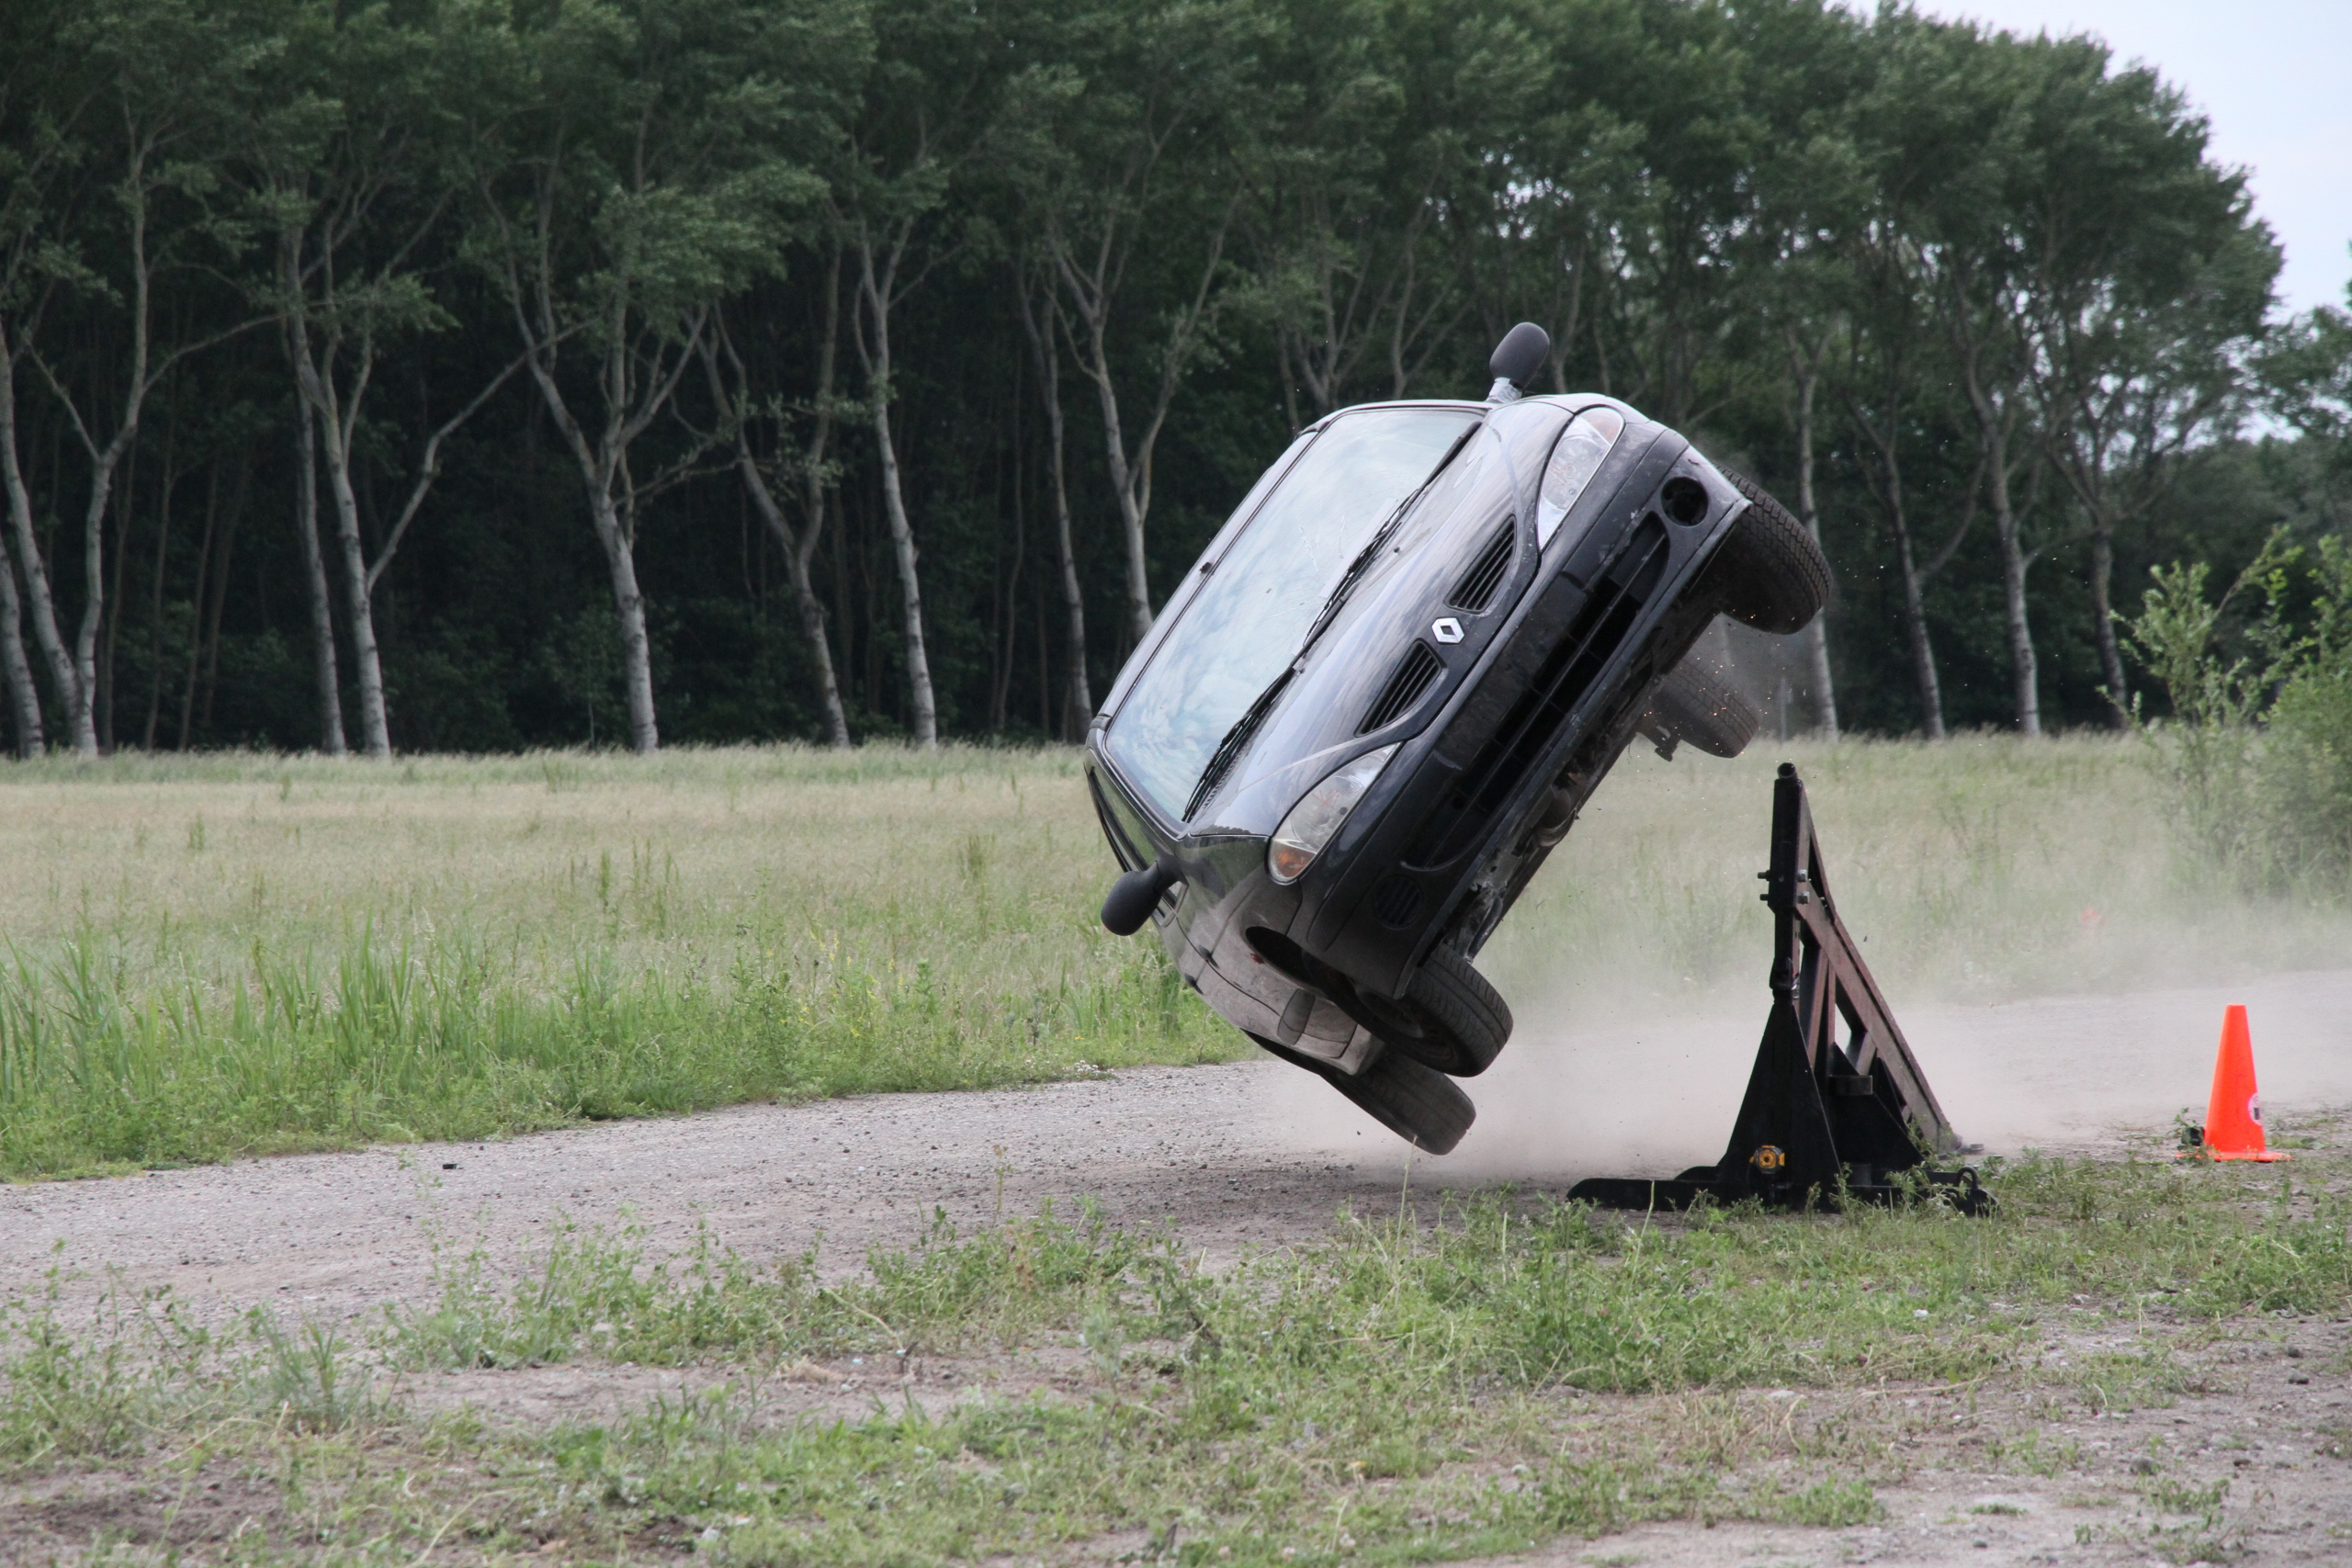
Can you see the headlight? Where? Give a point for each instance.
(1318, 814)
(1574, 462)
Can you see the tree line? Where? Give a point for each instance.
(475, 373)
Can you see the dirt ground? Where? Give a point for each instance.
(1260, 1155)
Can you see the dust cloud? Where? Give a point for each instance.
(2081, 1074)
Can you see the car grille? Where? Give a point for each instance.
(1396, 899)
(1558, 684)
(1476, 589)
(1415, 673)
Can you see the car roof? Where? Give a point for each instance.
(1480, 405)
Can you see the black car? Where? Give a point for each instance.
(1387, 688)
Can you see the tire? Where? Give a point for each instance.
(1699, 703)
(1450, 1018)
(1768, 573)
(1426, 1108)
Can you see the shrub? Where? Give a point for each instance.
(2259, 743)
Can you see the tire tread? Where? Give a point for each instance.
(1770, 573)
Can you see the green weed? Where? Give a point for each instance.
(1521, 1371)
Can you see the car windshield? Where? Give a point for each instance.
(1247, 621)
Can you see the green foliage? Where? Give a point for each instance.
(2215, 703)
(2260, 744)
(1766, 223)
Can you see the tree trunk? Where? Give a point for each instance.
(1078, 703)
(1816, 631)
(798, 553)
(24, 701)
(338, 416)
(812, 631)
(1915, 626)
(20, 522)
(1124, 485)
(103, 462)
(1993, 417)
(925, 709)
(156, 592)
(2024, 679)
(2110, 657)
(375, 726)
(628, 605)
(84, 715)
(323, 398)
(314, 578)
(1092, 291)
(875, 295)
(1884, 437)
(601, 467)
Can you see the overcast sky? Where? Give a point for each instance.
(2273, 76)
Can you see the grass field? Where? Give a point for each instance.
(240, 954)
(1054, 1389)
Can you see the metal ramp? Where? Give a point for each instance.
(1836, 1101)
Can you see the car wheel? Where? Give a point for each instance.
(1698, 705)
(1769, 573)
(1450, 1018)
(1426, 1108)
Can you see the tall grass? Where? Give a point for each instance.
(1983, 869)
(239, 955)
(234, 954)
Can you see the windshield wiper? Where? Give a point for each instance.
(1236, 739)
(1342, 590)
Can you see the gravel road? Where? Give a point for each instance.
(1235, 1156)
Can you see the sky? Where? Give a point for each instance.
(2274, 77)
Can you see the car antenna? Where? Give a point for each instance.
(1516, 360)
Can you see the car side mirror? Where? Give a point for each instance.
(1516, 360)
(1133, 896)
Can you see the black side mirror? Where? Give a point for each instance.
(1519, 355)
(1133, 896)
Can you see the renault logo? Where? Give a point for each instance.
(1447, 631)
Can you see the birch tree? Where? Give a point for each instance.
(1141, 197)
(2147, 283)
(48, 105)
(325, 676)
(931, 113)
(343, 171)
(41, 107)
(650, 155)
(1367, 175)
(1043, 323)
(160, 74)
(731, 394)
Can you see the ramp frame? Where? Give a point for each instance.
(1836, 1098)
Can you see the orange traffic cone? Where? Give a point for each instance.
(2233, 1115)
